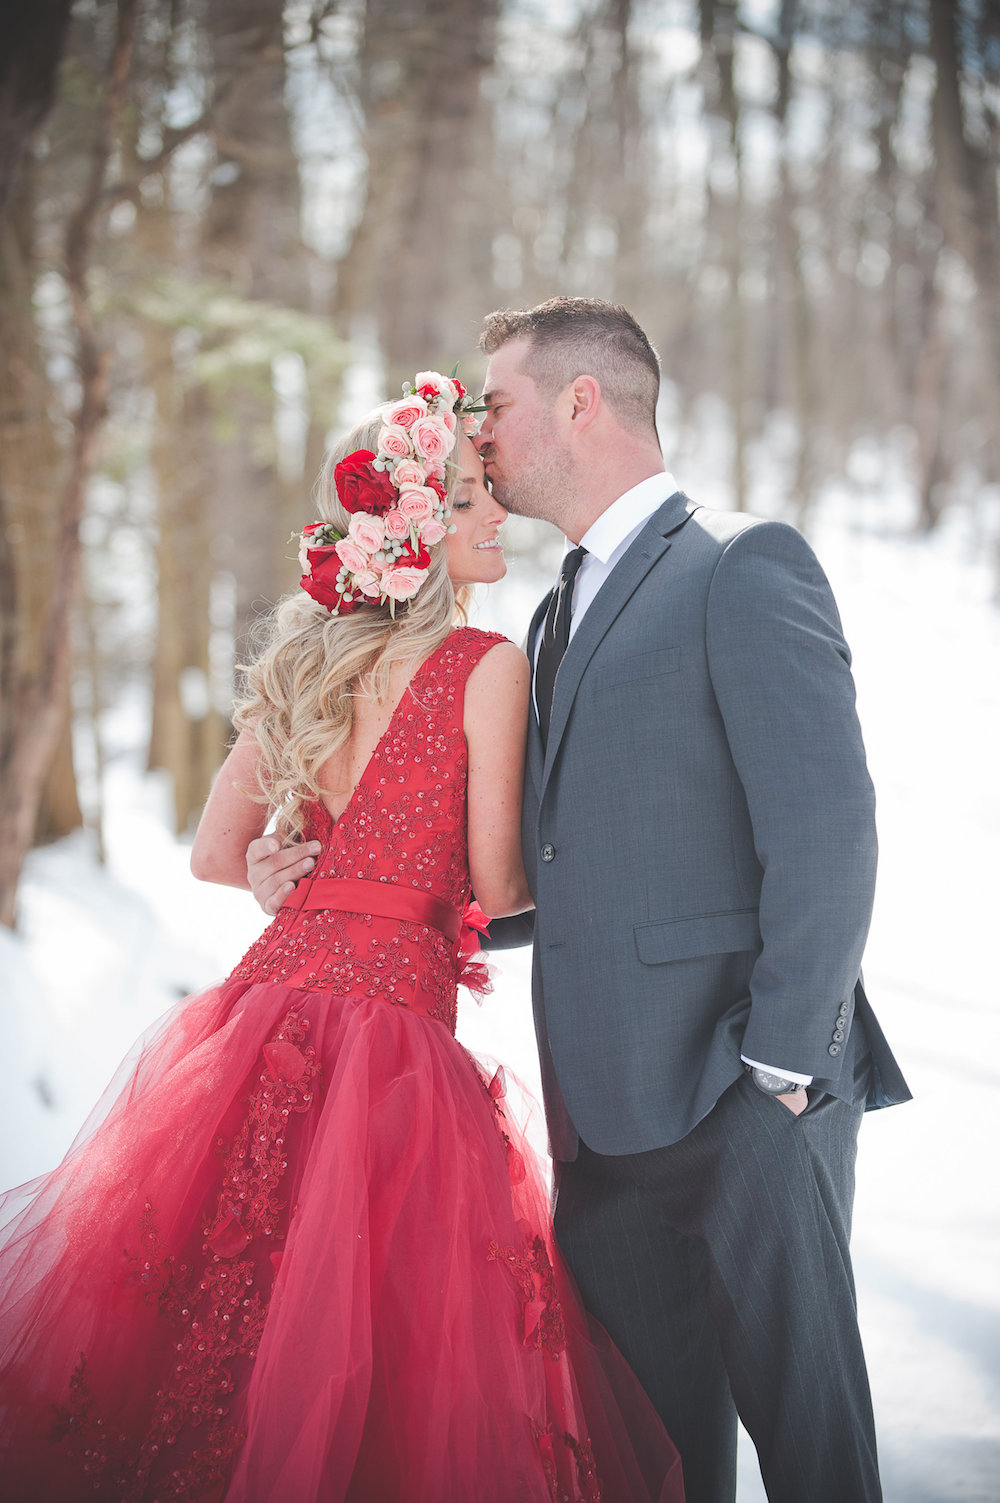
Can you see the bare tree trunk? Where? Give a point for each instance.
(966, 175)
(31, 42)
(32, 473)
(41, 699)
(421, 202)
(188, 735)
(59, 811)
(966, 194)
(718, 33)
(251, 241)
(928, 409)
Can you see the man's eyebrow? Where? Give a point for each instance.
(489, 397)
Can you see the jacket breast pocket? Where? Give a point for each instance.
(642, 665)
(702, 934)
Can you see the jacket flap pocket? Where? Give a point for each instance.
(643, 665)
(704, 934)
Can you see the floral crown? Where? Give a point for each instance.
(397, 501)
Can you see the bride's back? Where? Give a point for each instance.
(341, 772)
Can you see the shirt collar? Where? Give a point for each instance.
(625, 515)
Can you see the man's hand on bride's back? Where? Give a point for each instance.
(273, 869)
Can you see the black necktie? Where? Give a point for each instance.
(555, 637)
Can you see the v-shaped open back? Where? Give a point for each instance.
(373, 758)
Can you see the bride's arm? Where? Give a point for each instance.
(496, 718)
(230, 819)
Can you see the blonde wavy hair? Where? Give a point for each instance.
(309, 666)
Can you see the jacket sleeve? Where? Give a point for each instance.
(780, 670)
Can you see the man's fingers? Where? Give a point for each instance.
(274, 903)
(288, 861)
(273, 869)
(263, 846)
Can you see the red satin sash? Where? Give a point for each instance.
(383, 899)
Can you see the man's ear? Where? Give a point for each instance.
(585, 396)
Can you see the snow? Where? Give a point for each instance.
(101, 952)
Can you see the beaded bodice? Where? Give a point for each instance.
(405, 824)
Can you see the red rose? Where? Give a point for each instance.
(321, 581)
(360, 487)
(427, 391)
(414, 558)
(463, 391)
(438, 486)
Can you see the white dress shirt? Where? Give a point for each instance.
(607, 541)
(611, 536)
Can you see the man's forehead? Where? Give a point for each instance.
(503, 373)
(506, 362)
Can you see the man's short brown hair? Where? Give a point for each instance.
(584, 336)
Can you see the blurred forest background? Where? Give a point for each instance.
(217, 217)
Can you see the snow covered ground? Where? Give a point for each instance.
(102, 952)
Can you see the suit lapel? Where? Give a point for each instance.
(621, 584)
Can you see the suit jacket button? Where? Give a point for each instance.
(844, 1009)
(834, 1049)
(839, 1036)
(547, 852)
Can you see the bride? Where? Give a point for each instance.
(300, 1253)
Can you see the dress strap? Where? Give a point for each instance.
(382, 899)
(465, 649)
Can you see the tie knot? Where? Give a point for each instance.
(574, 558)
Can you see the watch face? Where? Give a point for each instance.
(774, 1085)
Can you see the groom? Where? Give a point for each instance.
(699, 837)
(698, 831)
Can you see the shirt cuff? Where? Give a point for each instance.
(774, 1070)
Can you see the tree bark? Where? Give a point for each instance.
(31, 43)
(40, 699)
(425, 125)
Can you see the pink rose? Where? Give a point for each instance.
(432, 531)
(367, 532)
(367, 581)
(417, 502)
(432, 439)
(304, 563)
(470, 424)
(405, 413)
(448, 418)
(395, 441)
(441, 385)
(350, 554)
(402, 583)
(408, 472)
(396, 525)
(435, 469)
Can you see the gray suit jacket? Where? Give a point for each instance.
(699, 837)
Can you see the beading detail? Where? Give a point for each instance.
(405, 823)
(219, 1314)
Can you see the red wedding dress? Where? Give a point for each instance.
(300, 1255)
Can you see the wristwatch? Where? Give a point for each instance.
(773, 1085)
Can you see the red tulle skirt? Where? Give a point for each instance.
(300, 1254)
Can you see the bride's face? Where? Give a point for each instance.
(475, 554)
